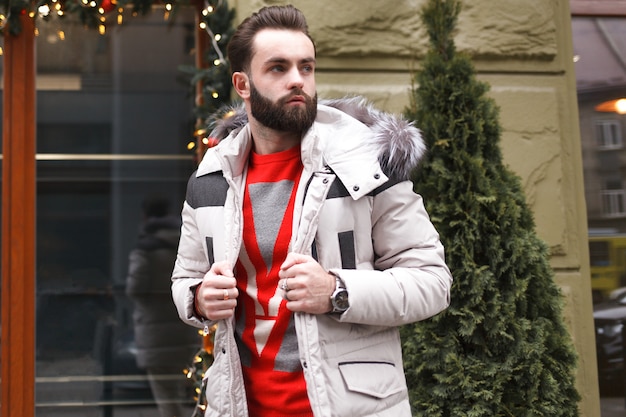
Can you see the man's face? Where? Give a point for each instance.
(281, 90)
(280, 115)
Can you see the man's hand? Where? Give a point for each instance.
(216, 297)
(307, 286)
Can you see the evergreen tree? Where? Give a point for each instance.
(501, 348)
(214, 78)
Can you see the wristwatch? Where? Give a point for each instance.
(339, 298)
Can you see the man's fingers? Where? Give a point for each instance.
(220, 276)
(218, 303)
(218, 292)
(221, 314)
(225, 294)
(293, 259)
(222, 268)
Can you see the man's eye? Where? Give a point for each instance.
(276, 68)
(308, 68)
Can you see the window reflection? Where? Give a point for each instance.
(600, 64)
(163, 343)
(113, 121)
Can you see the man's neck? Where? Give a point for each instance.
(267, 141)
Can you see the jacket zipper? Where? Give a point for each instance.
(304, 318)
(229, 323)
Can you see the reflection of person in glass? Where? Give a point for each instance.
(165, 346)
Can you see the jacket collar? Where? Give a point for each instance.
(362, 145)
(347, 149)
(230, 156)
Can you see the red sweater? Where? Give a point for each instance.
(265, 329)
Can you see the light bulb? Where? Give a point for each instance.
(44, 10)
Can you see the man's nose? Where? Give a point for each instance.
(296, 80)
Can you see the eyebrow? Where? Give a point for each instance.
(279, 60)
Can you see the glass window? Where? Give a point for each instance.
(599, 49)
(113, 120)
(614, 184)
(613, 203)
(608, 135)
(599, 253)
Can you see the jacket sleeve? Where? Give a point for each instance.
(410, 280)
(190, 267)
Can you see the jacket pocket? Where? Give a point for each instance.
(376, 379)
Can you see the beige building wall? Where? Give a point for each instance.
(523, 49)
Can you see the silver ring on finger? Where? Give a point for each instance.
(284, 286)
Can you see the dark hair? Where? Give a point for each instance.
(271, 17)
(155, 205)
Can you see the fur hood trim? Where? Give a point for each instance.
(399, 143)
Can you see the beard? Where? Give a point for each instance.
(279, 117)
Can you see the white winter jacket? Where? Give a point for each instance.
(357, 214)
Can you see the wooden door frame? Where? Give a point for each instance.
(17, 396)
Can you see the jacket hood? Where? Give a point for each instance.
(159, 233)
(398, 142)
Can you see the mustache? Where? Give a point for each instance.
(295, 92)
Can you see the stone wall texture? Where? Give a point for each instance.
(523, 50)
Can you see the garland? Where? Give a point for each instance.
(195, 372)
(92, 13)
(211, 80)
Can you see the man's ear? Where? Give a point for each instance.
(241, 83)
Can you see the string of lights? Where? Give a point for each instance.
(215, 20)
(196, 371)
(93, 13)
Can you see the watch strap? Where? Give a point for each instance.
(340, 290)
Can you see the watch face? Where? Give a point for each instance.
(341, 300)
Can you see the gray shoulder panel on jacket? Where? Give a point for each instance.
(207, 190)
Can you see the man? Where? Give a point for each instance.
(303, 240)
(164, 344)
